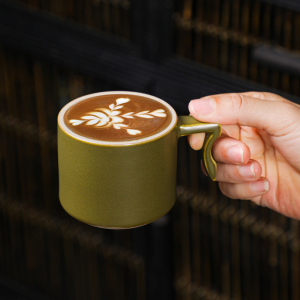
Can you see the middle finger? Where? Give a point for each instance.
(229, 150)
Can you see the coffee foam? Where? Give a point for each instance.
(117, 118)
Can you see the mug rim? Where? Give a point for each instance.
(69, 132)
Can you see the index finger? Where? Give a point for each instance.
(230, 109)
(257, 95)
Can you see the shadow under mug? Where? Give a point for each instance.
(125, 185)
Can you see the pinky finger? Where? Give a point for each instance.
(245, 190)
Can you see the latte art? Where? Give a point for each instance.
(103, 117)
(118, 117)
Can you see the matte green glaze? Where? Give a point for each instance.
(117, 187)
(125, 186)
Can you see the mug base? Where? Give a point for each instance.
(119, 228)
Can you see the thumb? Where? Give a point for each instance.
(275, 117)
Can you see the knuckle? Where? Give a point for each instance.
(262, 95)
(257, 200)
(222, 188)
(223, 174)
(267, 95)
(289, 112)
(228, 189)
(289, 107)
(289, 116)
(259, 95)
(237, 101)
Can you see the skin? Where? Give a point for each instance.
(258, 153)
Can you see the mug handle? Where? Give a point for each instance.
(189, 125)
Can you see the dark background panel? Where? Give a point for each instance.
(208, 246)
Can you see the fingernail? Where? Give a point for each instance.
(204, 106)
(247, 171)
(259, 186)
(236, 154)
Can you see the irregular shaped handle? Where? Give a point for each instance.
(189, 125)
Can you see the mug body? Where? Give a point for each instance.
(118, 186)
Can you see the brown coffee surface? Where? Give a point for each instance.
(117, 117)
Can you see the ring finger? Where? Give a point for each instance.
(237, 173)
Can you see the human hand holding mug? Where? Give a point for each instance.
(258, 153)
(117, 155)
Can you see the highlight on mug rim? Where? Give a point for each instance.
(155, 136)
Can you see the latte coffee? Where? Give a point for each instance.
(117, 117)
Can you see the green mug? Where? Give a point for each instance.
(125, 184)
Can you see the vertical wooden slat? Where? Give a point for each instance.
(199, 46)
(246, 257)
(79, 284)
(196, 238)
(11, 155)
(224, 48)
(215, 12)
(57, 279)
(295, 261)
(69, 261)
(245, 27)
(256, 249)
(176, 245)
(116, 18)
(287, 43)
(88, 13)
(8, 145)
(126, 16)
(273, 270)
(255, 29)
(141, 280)
(96, 15)
(235, 252)
(225, 265)
(109, 271)
(284, 279)
(106, 16)
(266, 33)
(3, 111)
(185, 242)
(85, 278)
(185, 33)
(43, 126)
(94, 281)
(236, 21)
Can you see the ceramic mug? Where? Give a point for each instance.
(125, 185)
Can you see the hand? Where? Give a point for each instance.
(258, 153)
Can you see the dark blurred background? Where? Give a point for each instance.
(208, 247)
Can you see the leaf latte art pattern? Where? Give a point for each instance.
(113, 117)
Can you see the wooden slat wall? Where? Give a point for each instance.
(222, 34)
(40, 244)
(223, 249)
(111, 16)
